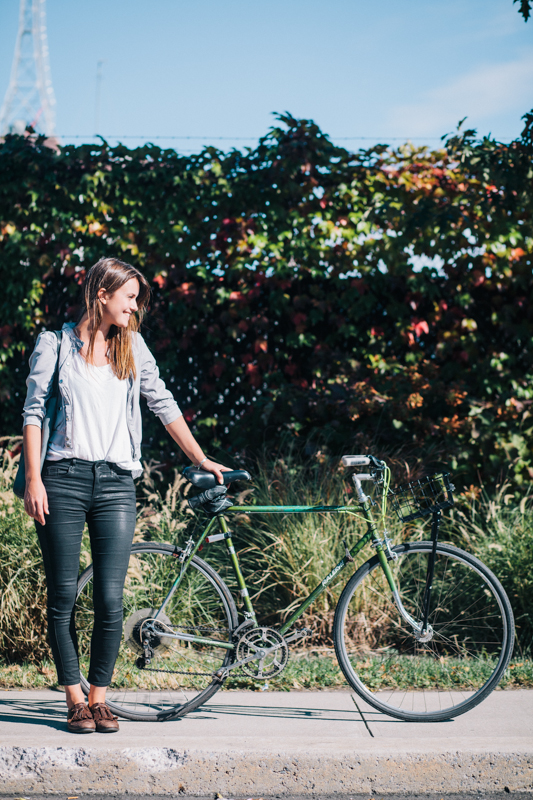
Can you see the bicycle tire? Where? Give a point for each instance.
(471, 644)
(202, 601)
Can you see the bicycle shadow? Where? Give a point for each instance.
(366, 717)
(48, 713)
(52, 713)
(294, 712)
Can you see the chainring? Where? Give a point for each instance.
(262, 639)
(132, 632)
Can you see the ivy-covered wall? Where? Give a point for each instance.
(381, 298)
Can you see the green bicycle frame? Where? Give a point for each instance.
(320, 588)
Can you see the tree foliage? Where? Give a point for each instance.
(374, 298)
(524, 8)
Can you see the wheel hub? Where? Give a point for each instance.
(135, 627)
(424, 637)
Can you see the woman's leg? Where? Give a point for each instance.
(111, 522)
(60, 540)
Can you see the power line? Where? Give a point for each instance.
(245, 138)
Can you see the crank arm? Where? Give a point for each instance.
(258, 655)
(301, 634)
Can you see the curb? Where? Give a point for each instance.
(169, 772)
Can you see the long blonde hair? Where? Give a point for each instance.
(110, 274)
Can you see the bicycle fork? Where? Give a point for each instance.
(422, 629)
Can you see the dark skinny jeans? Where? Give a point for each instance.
(103, 495)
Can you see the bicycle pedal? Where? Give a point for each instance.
(302, 633)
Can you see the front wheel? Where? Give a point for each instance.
(181, 675)
(457, 665)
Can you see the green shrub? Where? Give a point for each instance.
(382, 296)
(282, 556)
(22, 581)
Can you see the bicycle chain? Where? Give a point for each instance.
(198, 628)
(180, 672)
(183, 672)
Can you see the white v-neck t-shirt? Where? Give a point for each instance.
(99, 422)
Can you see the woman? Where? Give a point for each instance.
(93, 456)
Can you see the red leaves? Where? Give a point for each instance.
(420, 326)
(160, 281)
(290, 369)
(253, 373)
(5, 337)
(260, 345)
(218, 368)
(185, 291)
(298, 320)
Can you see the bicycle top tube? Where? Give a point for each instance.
(290, 509)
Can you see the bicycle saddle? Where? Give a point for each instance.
(206, 480)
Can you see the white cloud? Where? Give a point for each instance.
(481, 94)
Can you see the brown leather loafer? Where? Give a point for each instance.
(104, 720)
(80, 719)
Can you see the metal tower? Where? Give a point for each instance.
(30, 97)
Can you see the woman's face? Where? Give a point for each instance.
(118, 307)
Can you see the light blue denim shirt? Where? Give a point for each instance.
(146, 383)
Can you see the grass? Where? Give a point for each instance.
(22, 582)
(305, 670)
(498, 529)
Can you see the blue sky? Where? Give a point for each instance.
(220, 68)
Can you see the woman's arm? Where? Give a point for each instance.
(40, 381)
(181, 433)
(161, 401)
(35, 498)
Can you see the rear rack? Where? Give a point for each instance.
(422, 498)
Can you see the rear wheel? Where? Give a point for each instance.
(433, 678)
(183, 671)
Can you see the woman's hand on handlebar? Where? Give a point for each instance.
(36, 500)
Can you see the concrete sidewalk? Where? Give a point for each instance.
(245, 744)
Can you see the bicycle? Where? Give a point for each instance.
(446, 627)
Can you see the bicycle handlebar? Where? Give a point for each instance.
(356, 461)
(363, 461)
